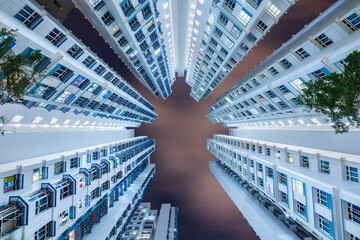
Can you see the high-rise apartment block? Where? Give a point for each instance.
(72, 170)
(84, 193)
(168, 223)
(268, 95)
(74, 81)
(285, 168)
(133, 30)
(221, 33)
(148, 224)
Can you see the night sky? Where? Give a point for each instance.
(182, 169)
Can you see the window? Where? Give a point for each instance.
(139, 36)
(64, 217)
(323, 40)
(122, 41)
(235, 31)
(134, 23)
(353, 212)
(300, 208)
(89, 62)
(64, 189)
(268, 151)
(62, 73)
(270, 94)
(274, 11)
(115, 31)
(42, 201)
(12, 182)
(230, 5)
(352, 174)
(80, 82)
(100, 69)
(269, 172)
(341, 64)
(259, 167)
(43, 233)
(282, 89)
(107, 18)
(352, 21)
(298, 186)
(322, 223)
(318, 74)
(127, 8)
(304, 161)
(290, 158)
(251, 37)
(321, 197)
(94, 193)
(37, 174)
(282, 105)
(273, 71)
(244, 17)
(150, 25)
(223, 20)
(74, 162)
(302, 53)
(298, 84)
(75, 51)
(285, 63)
(224, 52)
(218, 32)
(262, 26)
(283, 197)
(324, 167)
(56, 37)
(59, 167)
(282, 179)
(255, 3)
(260, 182)
(146, 12)
(29, 17)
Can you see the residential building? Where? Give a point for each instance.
(220, 34)
(168, 223)
(81, 193)
(285, 169)
(75, 87)
(289, 191)
(148, 224)
(268, 95)
(142, 224)
(133, 30)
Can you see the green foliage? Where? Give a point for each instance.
(16, 71)
(337, 96)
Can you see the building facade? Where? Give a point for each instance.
(220, 34)
(72, 81)
(285, 168)
(84, 193)
(142, 224)
(168, 223)
(148, 224)
(315, 190)
(133, 30)
(268, 95)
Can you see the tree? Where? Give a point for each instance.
(337, 95)
(17, 72)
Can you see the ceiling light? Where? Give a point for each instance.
(37, 120)
(16, 118)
